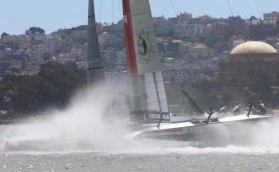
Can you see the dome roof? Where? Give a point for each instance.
(253, 47)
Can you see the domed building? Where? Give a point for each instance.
(246, 61)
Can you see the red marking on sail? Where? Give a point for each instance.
(129, 39)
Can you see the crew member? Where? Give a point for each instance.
(209, 114)
(250, 106)
(236, 109)
(262, 108)
(224, 109)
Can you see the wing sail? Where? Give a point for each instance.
(146, 86)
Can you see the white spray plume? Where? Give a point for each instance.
(81, 126)
(266, 134)
(86, 125)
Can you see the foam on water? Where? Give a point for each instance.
(81, 127)
(231, 149)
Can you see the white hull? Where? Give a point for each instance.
(233, 127)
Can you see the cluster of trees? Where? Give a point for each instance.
(53, 86)
(31, 30)
(34, 30)
(4, 34)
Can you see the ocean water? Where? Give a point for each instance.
(231, 158)
(80, 138)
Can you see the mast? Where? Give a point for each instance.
(146, 87)
(95, 71)
(128, 29)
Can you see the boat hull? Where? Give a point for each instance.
(225, 130)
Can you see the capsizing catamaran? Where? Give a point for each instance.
(148, 101)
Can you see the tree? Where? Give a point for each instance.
(252, 18)
(34, 30)
(65, 80)
(53, 86)
(18, 90)
(3, 35)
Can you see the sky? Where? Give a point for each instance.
(16, 16)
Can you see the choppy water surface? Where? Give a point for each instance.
(78, 139)
(175, 161)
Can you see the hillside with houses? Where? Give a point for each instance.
(190, 47)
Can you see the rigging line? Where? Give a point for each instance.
(238, 30)
(119, 9)
(113, 28)
(100, 11)
(233, 16)
(112, 11)
(113, 36)
(173, 7)
(174, 11)
(114, 72)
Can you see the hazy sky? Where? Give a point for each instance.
(16, 16)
